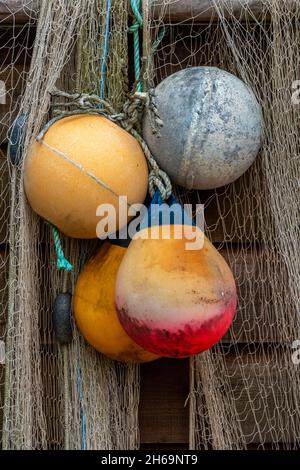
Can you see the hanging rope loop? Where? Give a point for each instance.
(135, 29)
(62, 262)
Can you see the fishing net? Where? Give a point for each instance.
(57, 396)
(245, 391)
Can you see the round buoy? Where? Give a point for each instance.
(84, 161)
(95, 311)
(172, 301)
(212, 127)
(16, 139)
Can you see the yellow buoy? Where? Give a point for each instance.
(84, 161)
(95, 312)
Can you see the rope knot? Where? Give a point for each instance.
(159, 180)
(134, 27)
(138, 19)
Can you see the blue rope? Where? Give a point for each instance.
(105, 49)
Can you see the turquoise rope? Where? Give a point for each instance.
(105, 49)
(62, 262)
(135, 29)
(159, 38)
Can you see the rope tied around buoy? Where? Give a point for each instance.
(128, 119)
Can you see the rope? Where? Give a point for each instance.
(81, 396)
(128, 119)
(10, 315)
(161, 34)
(62, 262)
(135, 29)
(105, 49)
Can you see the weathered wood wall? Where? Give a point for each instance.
(203, 10)
(18, 11)
(164, 383)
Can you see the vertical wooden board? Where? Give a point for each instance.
(12, 82)
(3, 304)
(228, 213)
(253, 322)
(163, 416)
(18, 11)
(16, 45)
(52, 399)
(262, 387)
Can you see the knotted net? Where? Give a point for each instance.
(57, 396)
(245, 391)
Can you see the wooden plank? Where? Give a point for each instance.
(260, 386)
(18, 11)
(12, 80)
(228, 213)
(205, 10)
(263, 392)
(52, 399)
(255, 319)
(16, 45)
(163, 418)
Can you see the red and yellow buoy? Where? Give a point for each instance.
(95, 312)
(173, 301)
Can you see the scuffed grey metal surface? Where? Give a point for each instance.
(212, 127)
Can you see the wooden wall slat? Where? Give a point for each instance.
(263, 410)
(226, 221)
(204, 10)
(14, 78)
(17, 11)
(164, 389)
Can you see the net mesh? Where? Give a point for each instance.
(57, 396)
(245, 391)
